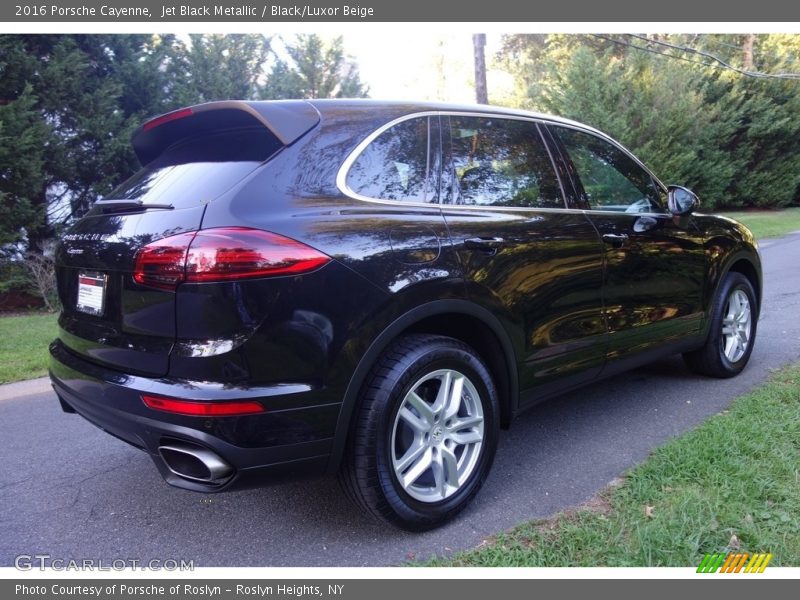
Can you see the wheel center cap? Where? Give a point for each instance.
(437, 433)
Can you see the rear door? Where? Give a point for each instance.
(654, 265)
(192, 158)
(526, 257)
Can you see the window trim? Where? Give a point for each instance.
(344, 170)
(341, 176)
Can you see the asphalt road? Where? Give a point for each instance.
(70, 490)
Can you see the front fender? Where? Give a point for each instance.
(730, 246)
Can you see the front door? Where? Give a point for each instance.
(654, 264)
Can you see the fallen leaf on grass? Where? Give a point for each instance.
(649, 511)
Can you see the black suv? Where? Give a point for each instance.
(374, 289)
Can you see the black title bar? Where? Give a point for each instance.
(369, 589)
(459, 11)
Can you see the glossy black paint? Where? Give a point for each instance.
(545, 283)
(137, 330)
(652, 285)
(551, 306)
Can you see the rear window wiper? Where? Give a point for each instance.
(108, 206)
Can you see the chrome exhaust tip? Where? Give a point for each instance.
(195, 462)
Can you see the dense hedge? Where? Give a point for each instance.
(734, 138)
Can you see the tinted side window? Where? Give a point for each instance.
(611, 179)
(502, 162)
(399, 164)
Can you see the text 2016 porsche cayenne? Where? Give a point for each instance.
(376, 289)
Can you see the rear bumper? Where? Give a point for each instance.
(292, 439)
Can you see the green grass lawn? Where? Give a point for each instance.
(731, 484)
(23, 345)
(768, 223)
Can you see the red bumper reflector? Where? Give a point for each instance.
(195, 408)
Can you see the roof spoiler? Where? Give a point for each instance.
(287, 120)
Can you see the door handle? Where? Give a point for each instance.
(483, 243)
(618, 240)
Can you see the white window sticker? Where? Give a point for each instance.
(91, 291)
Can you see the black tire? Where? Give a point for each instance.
(368, 475)
(711, 358)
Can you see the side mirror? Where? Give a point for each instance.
(681, 201)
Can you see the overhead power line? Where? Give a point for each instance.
(650, 50)
(717, 63)
(718, 60)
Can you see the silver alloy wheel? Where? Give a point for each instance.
(437, 435)
(736, 326)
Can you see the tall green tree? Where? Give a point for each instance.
(314, 68)
(658, 110)
(23, 138)
(81, 97)
(212, 67)
(766, 140)
(733, 137)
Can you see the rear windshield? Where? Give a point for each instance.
(198, 170)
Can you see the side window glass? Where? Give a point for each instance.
(502, 162)
(611, 179)
(399, 164)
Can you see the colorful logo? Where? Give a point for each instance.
(734, 562)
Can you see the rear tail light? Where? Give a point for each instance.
(222, 254)
(194, 408)
(162, 264)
